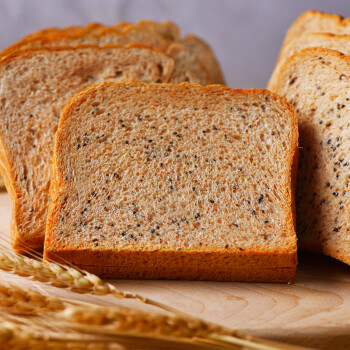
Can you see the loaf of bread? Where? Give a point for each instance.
(35, 86)
(317, 22)
(316, 81)
(192, 56)
(175, 181)
(314, 23)
(336, 42)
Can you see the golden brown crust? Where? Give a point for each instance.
(229, 273)
(278, 265)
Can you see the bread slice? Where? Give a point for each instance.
(194, 56)
(317, 81)
(309, 22)
(336, 42)
(176, 181)
(35, 86)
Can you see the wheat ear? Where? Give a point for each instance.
(116, 323)
(64, 276)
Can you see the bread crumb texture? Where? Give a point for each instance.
(175, 181)
(317, 82)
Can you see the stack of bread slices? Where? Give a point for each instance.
(313, 73)
(120, 154)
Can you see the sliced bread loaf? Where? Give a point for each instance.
(317, 22)
(193, 55)
(317, 82)
(35, 86)
(176, 182)
(336, 42)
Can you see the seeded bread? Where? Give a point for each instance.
(336, 42)
(317, 22)
(317, 81)
(309, 22)
(195, 57)
(35, 86)
(176, 181)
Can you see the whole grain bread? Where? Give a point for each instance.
(35, 86)
(317, 22)
(309, 22)
(317, 81)
(175, 181)
(336, 42)
(195, 57)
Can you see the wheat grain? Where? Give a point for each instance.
(27, 301)
(15, 335)
(64, 276)
(57, 316)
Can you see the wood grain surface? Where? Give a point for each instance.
(313, 312)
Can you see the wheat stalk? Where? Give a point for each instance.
(18, 300)
(113, 323)
(64, 276)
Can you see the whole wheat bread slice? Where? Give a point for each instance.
(310, 22)
(176, 182)
(35, 86)
(317, 82)
(193, 55)
(317, 22)
(336, 42)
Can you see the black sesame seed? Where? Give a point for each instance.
(253, 212)
(116, 175)
(226, 246)
(261, 198)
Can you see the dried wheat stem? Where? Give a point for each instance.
(63, 276)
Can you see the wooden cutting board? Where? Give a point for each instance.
(312, 312)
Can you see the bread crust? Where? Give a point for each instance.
(230, 264)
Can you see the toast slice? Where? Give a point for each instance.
(35, 86)
(309, 22)
(192, 54)
(317, 22)
(177, 182)
(336, 42)
(316, 81)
